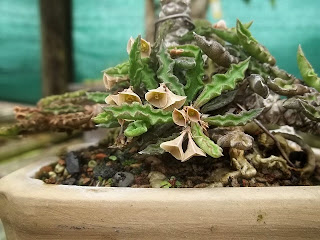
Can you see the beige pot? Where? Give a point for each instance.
(31, 209)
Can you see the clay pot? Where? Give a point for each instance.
(31, 209)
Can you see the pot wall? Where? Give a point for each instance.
(31, 209)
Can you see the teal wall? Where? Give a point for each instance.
(101, 30)
(280, 28)
(20, 70)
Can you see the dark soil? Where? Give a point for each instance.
(109, 167)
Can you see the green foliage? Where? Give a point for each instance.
(184, 63)
(165, 72)
(97, 97)
(113, 158)
(140, 73)
(128, 162)
(307, 72)
(103, 118)
(219, 102)
(163, 30)
(202, 27)
(222, 82)
(252, 46)
(61, 109)
(189, 50)
(230, 34)
(136, 128)
(286, 87)
(44, 102)
(12, 130)
(194, 78)
(136, 111)
(231, 119)
(205, 143)
(120, 70)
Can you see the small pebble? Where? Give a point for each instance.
(136, 165)
(201, 185)
(100, 156)
(62, 162)
(85, 181)
(92, 163)
(52, 174)
(123, 179)
(69, 181)
(105, 171)
(156, 179)
(59, 168)
(65, 172)
(72, 163)
(46, 169)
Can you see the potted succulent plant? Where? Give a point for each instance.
(199, 109)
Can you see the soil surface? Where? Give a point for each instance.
(104, 166)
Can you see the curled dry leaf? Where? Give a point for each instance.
(256, 83)
(112, 99)
(157, 97)
(109, 81)
(162, 97)
(145, 47)
(236, 139)
(192, 150)
(193, 114)
(174, 101)
(174, 147)
(221, 24)
(179, 117)
(128, 96)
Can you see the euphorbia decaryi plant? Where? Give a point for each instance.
(202, 97)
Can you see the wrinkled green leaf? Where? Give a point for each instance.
(231, 119)
(252, 46)
(136, 128)
(205, 143)
(194, 78)
(230, 34)
(66, 97)
(120, 70)
(137, 111)
(222, 82)
(184, 63)
(97, 97)
(139, 71)
(307, 72)
(161, 33)
(219, 102)
(61, 109)
(103, 118)
(165, 72)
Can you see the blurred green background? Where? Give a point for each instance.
(101, 30)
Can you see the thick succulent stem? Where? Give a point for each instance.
(179, 12)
